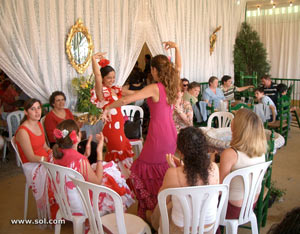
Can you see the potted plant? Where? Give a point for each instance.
(249, 54)
(88, 112)
(275, 193)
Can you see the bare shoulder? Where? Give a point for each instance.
(229, 153)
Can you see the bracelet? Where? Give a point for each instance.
(42, 159)
(99, 160)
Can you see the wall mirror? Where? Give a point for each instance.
(79, 47)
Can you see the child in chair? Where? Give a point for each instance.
(262, 98)
(65, 154)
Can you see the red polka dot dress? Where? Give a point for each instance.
(118, 146)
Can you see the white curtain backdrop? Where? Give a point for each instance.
(33, 35)
(190, 23)
(279, 30)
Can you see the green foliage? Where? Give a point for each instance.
(83, 86)
(249, 54)
(275, 191)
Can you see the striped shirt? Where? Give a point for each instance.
(271, 92)
(229, 93)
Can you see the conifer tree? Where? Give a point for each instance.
(249, 54)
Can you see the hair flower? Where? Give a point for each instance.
(57, 133)
(73, 137)
(65, 133)
(103, 62)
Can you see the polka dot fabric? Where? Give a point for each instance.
(118, 146)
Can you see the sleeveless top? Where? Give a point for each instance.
(37, 143)
(236, 188)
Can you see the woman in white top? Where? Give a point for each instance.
(195, 169)
(248, 147)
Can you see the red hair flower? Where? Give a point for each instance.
(103, 62)
(73, 137)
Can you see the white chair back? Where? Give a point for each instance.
(115, 223)
(59, 175)
(224, 119)
(19, 162)
(13, 122)
(130, 111)
(43, 124)
(252, 177)
(195, 202)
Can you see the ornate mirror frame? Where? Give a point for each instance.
(79, 27)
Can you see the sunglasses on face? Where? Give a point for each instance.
(184, 85)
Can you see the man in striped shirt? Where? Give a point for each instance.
(229, 89)
(270, 88)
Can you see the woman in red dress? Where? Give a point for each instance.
(118, 146)
(30, 139)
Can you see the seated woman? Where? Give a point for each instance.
(228, 88)
(213, 93)
(248, 147)
(30, 139)
(59, 113)
(65, 153)
(196, 169)
(183, 113)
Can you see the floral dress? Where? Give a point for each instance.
(118, 146)
(186, 108)
(111, 178)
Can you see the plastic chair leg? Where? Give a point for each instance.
(78, 226)
(17, 160)
(254, 227)
(4, 151)
(58, 225)
(232, 227)
(26, 201)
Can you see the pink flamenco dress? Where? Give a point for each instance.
(147, 172)
(118, 146)
(112, 179)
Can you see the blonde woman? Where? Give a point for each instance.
(248, 147)
(148, 171)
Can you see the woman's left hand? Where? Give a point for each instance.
(87, 152)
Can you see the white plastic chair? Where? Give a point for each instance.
(224, 119)
(129, 111)
(43, 124)
(58, 175)
(118, 222)
(13, 122)
(256, 173)
(194, 201)
(19, 161)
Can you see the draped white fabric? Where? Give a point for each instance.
(279, 30)
(190, 23)
(33, 35)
